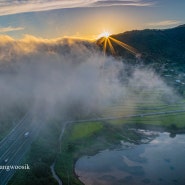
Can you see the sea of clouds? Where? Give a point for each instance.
(72, 78)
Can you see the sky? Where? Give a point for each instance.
(86, 18)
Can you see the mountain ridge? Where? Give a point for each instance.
(154, 44)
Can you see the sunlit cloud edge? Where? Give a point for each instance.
(164, 23)
(10, 29)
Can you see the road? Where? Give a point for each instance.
(128, 116)
(54, 174)
(14, 146)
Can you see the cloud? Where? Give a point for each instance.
(122, 3)
(165, 23)
(10, 29)
(72, 78)
(14, 7)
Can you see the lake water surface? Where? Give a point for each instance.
(159, 162)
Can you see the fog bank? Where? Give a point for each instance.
(71, 78)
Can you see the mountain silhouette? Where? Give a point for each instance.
(153, 44)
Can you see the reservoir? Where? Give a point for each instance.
(160, 161)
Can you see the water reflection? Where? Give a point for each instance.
(157, 162)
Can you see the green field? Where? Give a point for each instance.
(84, 130)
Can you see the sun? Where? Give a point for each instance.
(106, 39)
(104, 34)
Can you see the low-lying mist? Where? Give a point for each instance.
(71, 78)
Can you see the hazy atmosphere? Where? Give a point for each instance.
(92, 92)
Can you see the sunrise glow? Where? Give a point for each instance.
(104, 34)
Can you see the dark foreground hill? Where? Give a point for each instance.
(168, 44)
